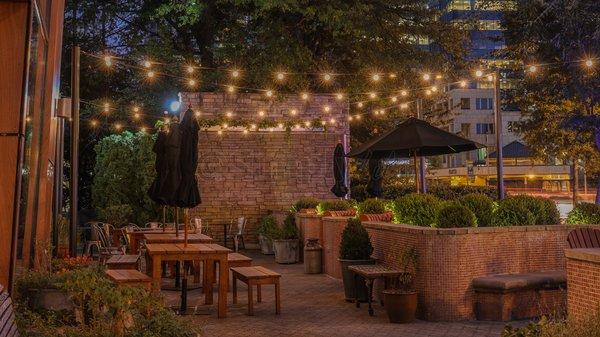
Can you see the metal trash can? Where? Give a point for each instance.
(313, 263)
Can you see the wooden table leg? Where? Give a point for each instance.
(369, 284)
(356, 287)
(134, 244)
(207, 283)
(258, 294)
(223, 286)
(277, 297)
(250, 299)
(234, 289)
(196, 266)
(156, 271)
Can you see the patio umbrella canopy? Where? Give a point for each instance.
(414, 137)
(339, 172)
(187, 195)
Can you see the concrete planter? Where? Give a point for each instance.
(286, 251)
(50, 299)
(266, 245)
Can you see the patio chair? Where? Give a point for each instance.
(198, 225)
(106, 248)
(236, 232)
(153, 225)
(93, 240)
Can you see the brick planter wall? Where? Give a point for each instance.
(310, 226)
(583, 282)
(450, 258)
(332, 236)
(250, 174)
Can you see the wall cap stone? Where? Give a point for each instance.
(308, 215)
(387, 226)
(584, 254)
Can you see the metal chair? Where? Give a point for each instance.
(106, 248)
(236, 232)
(198, 225)
(93, 241)
(153, 225)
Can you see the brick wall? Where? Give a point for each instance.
(450, 258)
(583, 282)
(251, 174)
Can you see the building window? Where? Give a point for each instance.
(511, 126)
(465, 129)
(460, 5)
(495, 5)
(490, 25)
(484, 103)
(485, 128)
(465, 103)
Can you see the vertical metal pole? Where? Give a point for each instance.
(498, 126)
(58, 182)
(422, 181)
(74, 149)
(417, 178)
(575, 180)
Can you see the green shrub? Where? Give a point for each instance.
(584, 213)
(395, 191)
(372, 206)
(587, 327)
(359, 192)
(481, 205)
(116, 215)
(268, 227)
(454, 215)
(416, 209)
(512, 212)
(355, 244)
(289, 231)
(440, 190)
(305, 203)
(334, 205)
(544, 210)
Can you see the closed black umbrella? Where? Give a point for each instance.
(339, 172)
(375, 177)
(187, 194)
(159, 167)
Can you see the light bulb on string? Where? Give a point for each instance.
(106, 107)
(280, 125)
(394, 99)
(136, 108)
(589, 63)
(463, 83)
(147, 64)
(304, 96)
(293, 112)
(229, 114)
(323, 123)
(426, 77)
(332, 121)
(428, 92)
(434, 89)
(478, 73)
(143, 129)
(307, 123)
(269, 93)
(532, 68)
(108, 60)
(197, 113)
(339, 96)
(403, 105)
(93, 123)
(327, 77)
(136, 115)
(404, 93)
(220, 132)
(392, 75)
(280, 76)
(235, 73)
(358, 117)
(375, 77)
(192, 82)
(372, 95)
(438, 77)
(490, 77)
(253, 126)
(230, 89)
(327, 108)
(360, 104)
(261, 113)
(350, 118)
(118, 126)
(150, 74)
(245, 131)
(190, 69)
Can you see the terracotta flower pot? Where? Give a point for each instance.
(401, 306)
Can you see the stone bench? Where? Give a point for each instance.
(506, 297)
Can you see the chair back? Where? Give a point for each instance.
(241, 225)
(102, 236)
(153, 225)
(7, 315)
(198, 225)
(584, 237)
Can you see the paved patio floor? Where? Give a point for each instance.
(313, 305)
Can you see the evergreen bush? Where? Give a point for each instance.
(481, 205)
(373, 206)
(416, 209)
(355, 244)
(453, 214)
(584, 213)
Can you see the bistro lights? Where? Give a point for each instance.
(403, 105)
(589, 63)
(147, 64)
(269, 93)
(327, 108)
(438, 76)
(304, 96)
(463, 83)
(261, 113)
(404, 93)
(108, 60)
(136, 109)
(293, 112)
(339, 96)
(532, 68)
(192, 82)
(327, 77)
(394, 99)
(280, 76)
(426, 77)
(94, 123)
(229, 114)
(136, 115)
(150, 74)
(478, 73)
(106, 107)
(230, 89)
(376, 77)
(360, 105)
(190, 69)
(235, 73)
(118, 126)
(372, 95)
(434, 89)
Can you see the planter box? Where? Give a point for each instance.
(383, 217)
(346, 213)
(332, 236)
(449, 259)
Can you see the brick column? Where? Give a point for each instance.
(583, 282)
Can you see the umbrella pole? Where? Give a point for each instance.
(164, 217)
(416, 172)
(186, 218)
(176, 221)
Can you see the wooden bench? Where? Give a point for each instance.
(123, 262)
(258, 276)
(370, 273)
(129, 277)
(8, 327)
(507, 297)
(238, 260)
(584, 237)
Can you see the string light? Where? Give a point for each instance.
(147, 64)
(376, 77)
(150, 74)
(271, 129)
(426, 77)
(323, 123)
(478, 73)
(190, 69)
(297, 126)
(280, 125)
(463, 83)
(293, 112)
(136, 115)
(532, 68)
(428, 92)
(358, 117)
(404, 93)
(438, 76)
(280, 76)
(230, 89)
(261, 113)
(118, 126)
(106, 107)
(434, 89)
(136, 109)
(589, 63)
(245, 131)
(108, 60)
(327, 108)
(192, 82)
(229, 114)
(394, 99)
(373, 95)
(304, 96)
(197, 113)
(220, 132)
(360, 104)
(307, 123)
(490, 77)
(403, 105)
(94, 123)
(350, 118)
(327, 77)
(393, 75)
(143, 129)
(235, 73)
(332, 121)
(225, 125)
(269, 93)
(253, 126)
(339, 96)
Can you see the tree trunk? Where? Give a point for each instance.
(575, 182)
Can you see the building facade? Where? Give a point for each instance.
(30, 58)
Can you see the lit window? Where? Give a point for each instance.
(495, 5)
(490, 25)
(484, 103)
(459, 5)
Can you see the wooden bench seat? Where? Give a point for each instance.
(584, 237)
(129, 277)
(8, 327)
(258, 276)
(238, 260)
(506, 297)
(123, 262)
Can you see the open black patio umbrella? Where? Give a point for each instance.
(375, 177)
(414, 138)
(339, 172)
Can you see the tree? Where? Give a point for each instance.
(123, 173)
(559, 96)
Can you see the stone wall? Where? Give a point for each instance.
(251, 174)
(583, 282)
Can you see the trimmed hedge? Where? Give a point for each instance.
(356, 243)
(416, 209)
(453, 214)
(543, 210)
(481, 206)
(373, 206)
(442, 191)
(334, 205)
(511, 212)
(584, 213)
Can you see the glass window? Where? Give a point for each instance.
(490, 25)
(465, 103)
(460, 5)
(484, 103)
(485, 128)
(495, 5)
(465, 129)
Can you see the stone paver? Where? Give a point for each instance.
(313, 305)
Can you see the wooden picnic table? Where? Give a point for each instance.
(173, 238)
(135, 236)
(208, 253)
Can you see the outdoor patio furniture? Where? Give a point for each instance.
(236, 232)
(135, 237)
(370, 273)
(106, 248)
(129, 277)
(256, 276)
(507, 297)
(584, 237)
(94, 240)
(210, 254)
(198, 225)
(153, 225)
(8, 326)
(123, 262)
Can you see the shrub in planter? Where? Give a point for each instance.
(334, 205)
(551, 213)
(416, 209)
(372, 206)
(266, 231)
(543, 209)
(511, 213)
(355, 249)
(584, 213)
(401, 299)
(286, 242)
(481, 205)
(453, 214)
(306, 204)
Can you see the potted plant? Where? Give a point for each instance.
(306, 205)
(286, 244)
(266, 231)
(336, 207)
(374, 210)
(355, 249)
(401, 300)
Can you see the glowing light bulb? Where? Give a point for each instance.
(372, 95)
(428, 92)
(136, 115)
(220, 132)
(339, 96)
(245, 131)
(293, 112)
(532, 69)
(360, 104)
(358, 117)
(108, 61)
(269, 93)
(434, 89)
(225, 125)
(197, 113)
(118, 126)
(106, 107)
(261, 113)
(150, 74)
(376, 77)
(235, 73)
(323, 123)
(394, 99)
(94, 123)
(229, 114)
(136, 109)
(589, 63)
(478, 73)
(382, 112)
(403, 105)
(307, 123)
(147, 64)
(426, 77)
(230, 89)
(280, 125)
(190, 69)
(332, 121)
(438, 76)
(253, 126)
(297, 126)
(304, 96)
(327, 108)
(192, 82)
(350, 118)
(271, 129)
(327, 77)
(143, 129)
(490, 77)
(463, 83)
(280, 76)
(393, 75)
(404, 93)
